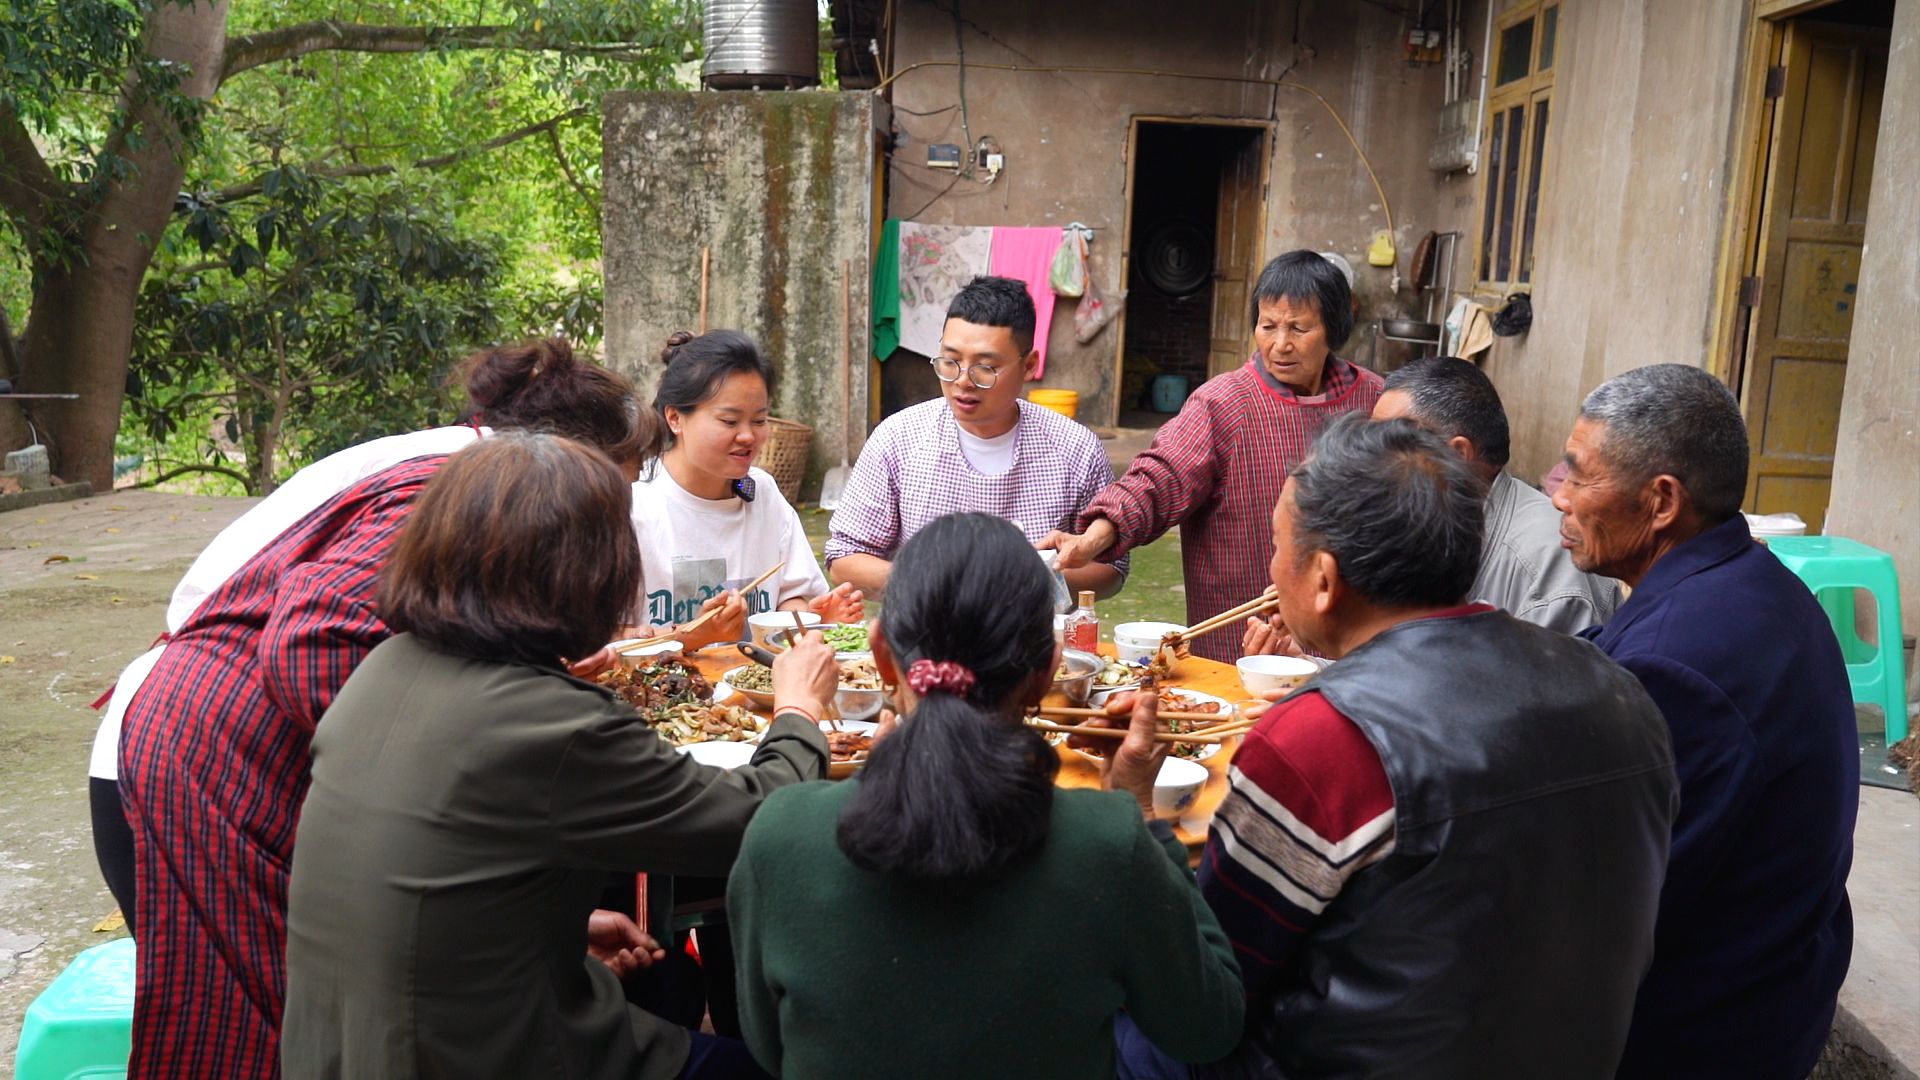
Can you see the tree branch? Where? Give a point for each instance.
(221, 470)
(249, 51)
(441, 161)
(26, 183)
(560, 155)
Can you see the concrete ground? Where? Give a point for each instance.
(68, 626)
(83, 589)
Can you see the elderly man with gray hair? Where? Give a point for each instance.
(1442, 856)
(1755, 930)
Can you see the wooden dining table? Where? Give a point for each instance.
(1079, 770)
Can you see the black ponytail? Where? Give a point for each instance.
(962, 789)
(696, 366)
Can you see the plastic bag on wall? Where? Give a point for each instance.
(1069, 274)
(1095, 311)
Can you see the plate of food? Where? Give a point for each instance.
(847, 639)
(1174, 699)
(847, 749)
(751, 681)
(677, 701)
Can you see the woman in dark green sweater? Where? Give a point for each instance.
(950, 912)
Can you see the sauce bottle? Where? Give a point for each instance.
(1083, 626)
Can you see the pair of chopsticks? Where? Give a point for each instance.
(1259, 605)
(1219, 733)
(641, 643)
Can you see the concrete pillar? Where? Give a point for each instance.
(1876, 470)
(778, 187)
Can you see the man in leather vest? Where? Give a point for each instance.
(1442, 856)
(1755, 930)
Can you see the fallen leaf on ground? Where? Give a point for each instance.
(39, 521)
(6, 659)
(111, 923)
(86, 577)
(113, 530)
(51, 559)
(34, 543)
(115, 600)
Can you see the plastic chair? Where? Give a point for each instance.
(1832, 567)
(81, 1025)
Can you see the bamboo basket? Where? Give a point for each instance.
(784, 457)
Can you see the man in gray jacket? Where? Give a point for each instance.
(1523, 569)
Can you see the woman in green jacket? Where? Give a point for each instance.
(951, 912)
(470, 796)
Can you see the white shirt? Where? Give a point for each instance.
(693, 548)
(302, 494)
(989, 457)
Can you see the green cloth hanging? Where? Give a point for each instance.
(884, 291)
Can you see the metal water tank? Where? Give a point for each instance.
(761, 44)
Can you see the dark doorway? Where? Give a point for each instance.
(1193, 241)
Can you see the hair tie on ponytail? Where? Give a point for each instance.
(947, 676)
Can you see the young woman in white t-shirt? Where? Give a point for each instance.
(708, 522)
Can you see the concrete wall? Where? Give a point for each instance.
(1065, 134)
(1876, 473)
(1631, 208)
(779, 186)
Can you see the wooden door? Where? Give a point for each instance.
(1238, 224)
(1813, 224)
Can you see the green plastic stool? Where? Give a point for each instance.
(1830, 563)
(81, 1025)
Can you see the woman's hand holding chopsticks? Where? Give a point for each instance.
(806, 676)
(1135, 763)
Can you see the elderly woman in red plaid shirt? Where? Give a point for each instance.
(1216, 469)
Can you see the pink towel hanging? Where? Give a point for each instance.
(1027, 254)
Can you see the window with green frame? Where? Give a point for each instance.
(1519, 108)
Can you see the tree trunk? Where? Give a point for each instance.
(78, 334)
(80, 327)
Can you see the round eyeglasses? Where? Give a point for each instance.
(981, 376)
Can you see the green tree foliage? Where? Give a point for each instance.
(182, 134)
(323, 306)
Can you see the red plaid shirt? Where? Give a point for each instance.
(213, 769)
(1216, 470)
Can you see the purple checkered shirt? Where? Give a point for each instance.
(912, 472)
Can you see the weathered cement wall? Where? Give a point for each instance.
(1631, 207)
(779, 186)
(1065, 134)
(1876, 472)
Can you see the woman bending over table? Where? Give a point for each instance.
(470, 796)
(950, 912)
(708, 521)
(214, 756)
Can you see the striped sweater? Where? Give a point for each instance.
(1309, 806)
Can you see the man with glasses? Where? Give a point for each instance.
(980, 447)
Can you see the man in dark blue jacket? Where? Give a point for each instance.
(1754, 932)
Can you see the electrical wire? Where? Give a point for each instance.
(1386, 206)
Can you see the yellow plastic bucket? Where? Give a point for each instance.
(1064, 402)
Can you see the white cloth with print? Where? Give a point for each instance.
(302, 494)
(692, 549)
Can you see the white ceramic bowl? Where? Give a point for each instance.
(1260, 674)
(723, 755)
(1140, 640)
(635, 657)
(768, 622)
(1176, 787)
